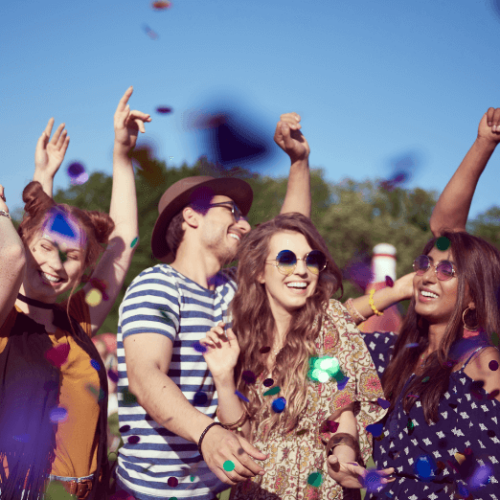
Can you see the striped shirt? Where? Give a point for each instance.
(163, 301)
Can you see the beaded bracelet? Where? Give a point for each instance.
(204, 433)
(372, 305)
(353, 311)
(234, 425)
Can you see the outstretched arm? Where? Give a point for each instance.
(290, 139)
(49, 154)
(453, 206)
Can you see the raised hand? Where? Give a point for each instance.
(290, 139)
(223, 350)
(351, 475)
(404, 286)
(50, 152)
(128, 124)
(489, 126)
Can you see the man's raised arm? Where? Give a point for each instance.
(453, 206)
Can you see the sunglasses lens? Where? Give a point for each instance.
(421, 264)
(444, 270)
(316, 261)
(287, 261)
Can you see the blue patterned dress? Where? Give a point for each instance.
(456, 457)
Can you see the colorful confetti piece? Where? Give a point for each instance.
(383, 403)
(302, 432)
(134, 242)
(58, 415)
(113, 376)
(480, 477)
(163, 110)
(161, 5)
(410, 426)
(315, 479)
(268, 382)
(93, 297)
(425, 380)
(58, 355)
(124, 428)
(278, 405)
(249, 377)
(272, 391)
(95, 364)
(77, 174)
(264, 350)
(341, 385)
(372, 481)
(389, 281)
(133, 439)
(413, 344)
(443, 243)
(242, 397)
(330, 426)
(200, 399)
(424, 467)
(375, 429)
(199, 347)
(172, 482)
(493, 365)
(228, 465)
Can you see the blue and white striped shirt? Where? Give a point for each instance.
(163, 301)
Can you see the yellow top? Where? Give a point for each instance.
(76, 437)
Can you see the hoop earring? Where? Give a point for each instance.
(469, 328)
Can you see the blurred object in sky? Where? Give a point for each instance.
(77, 173)
(359, 273)
(383, 265)
(402, 170)
(230, 136)
(495, 5)
(148, 167)
(161, 5)
(163, 110)
(150, 32)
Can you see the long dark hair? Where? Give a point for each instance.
(478, 271)
(254, 323)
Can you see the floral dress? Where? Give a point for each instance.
(453, 458)
(296, 467)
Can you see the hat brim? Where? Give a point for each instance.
(236, 189)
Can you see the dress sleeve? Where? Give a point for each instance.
(363, 387)
(380, 345)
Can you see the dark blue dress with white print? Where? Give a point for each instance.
(457, 457)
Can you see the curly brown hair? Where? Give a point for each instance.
(254, 324)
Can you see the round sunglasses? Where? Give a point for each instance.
(444, 269)
(286, 262)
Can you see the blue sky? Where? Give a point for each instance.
(372, 80)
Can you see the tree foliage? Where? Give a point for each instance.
(352, 217)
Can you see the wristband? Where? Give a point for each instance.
(204, 433)
(353, 311)
(342, 438)
(372, 305)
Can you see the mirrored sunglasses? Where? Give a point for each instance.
(286, 261)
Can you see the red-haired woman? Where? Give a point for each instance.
(441, 376)
(53, 390)
(297, 361)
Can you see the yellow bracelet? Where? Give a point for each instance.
(372, 305)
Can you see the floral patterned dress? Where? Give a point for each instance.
(297, 458)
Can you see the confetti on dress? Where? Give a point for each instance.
(58, 355)
(273, 391)
(133, 439)
(383, 403)
(375, 429)
(315, 479)
(242, 397)
(278, 405)
(199, 347)
(124, 428)
(389, 281)
(93, 297)
(200, 399)
(249, 377)
(493, 365)
(268, 382)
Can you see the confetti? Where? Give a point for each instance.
(161, 5)
(163, 110)
(98, 393)
(95, 364)
(264, 350)
(228, 465)
(113, 376)
(315, 479)
(425, 380)
(495, 339)
(124, 428)
(424, 467)
(62, 256)
(341, 385)
(133, 439)
(248, 377)
(330, 426)
(77, 174)
(493, 365)
(244, 398)
(383, 403)
(94, 297)
(494, 394)
(172, 482)
(480, 477)
(150, 32)
(272, 391)
(375, 429)
(460, 458)
(268, 382)
(22, 438)
(134, 242)
(389, 281)
(413, 344)
(127, 397)
(372, 481)
(59, 414)
(199, 347)
(443, 243)
(200, 399)
(58, 355)
(278, 405)
(302, 432)
(410, 426)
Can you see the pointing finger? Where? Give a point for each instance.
(124, 100)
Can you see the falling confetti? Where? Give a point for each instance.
(134, 242)
(268, 382)
(124, 428)
(93, 297)
(113, 376)
(480, 477)
(372, 481)
(330, 426)
(228, 465)
(172, 482)
(493, 365)
(272, 391)
(200, 399)
(341, 385)
(59, 414)
(249, 377)
(315, 479)
(95, 364)
(443, 243)
(324, 368)
(278, 405)
(77, 174)
(302, 432)
(150, 32)
(413, 344)
(410, 426)
(389, 281)
(62, 256)
(375, 429)
(383, 403)
(460, 458)
(161, 5)
(424, 467)
(133, 439)
(425, 380)
(128, 397)
(242, 397)
(199, 347)
(163, 110)
(58, 355)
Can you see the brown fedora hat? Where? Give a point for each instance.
(179, 195)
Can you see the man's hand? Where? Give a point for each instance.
(49, 152)
(127, 125)
(290, 139)
(223, 350)
(351, 475)
(489, 126)
(220, 445)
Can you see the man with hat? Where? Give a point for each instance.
(173, 447)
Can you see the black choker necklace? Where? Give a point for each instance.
(36, 303)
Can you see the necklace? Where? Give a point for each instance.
(35, 303)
